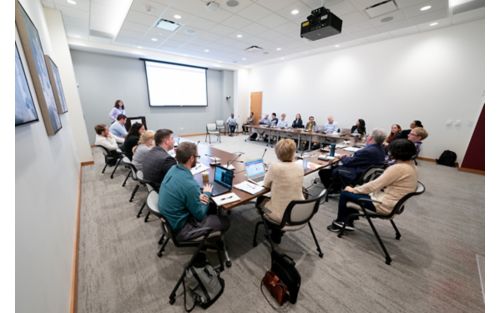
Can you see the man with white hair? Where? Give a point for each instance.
(350, 168)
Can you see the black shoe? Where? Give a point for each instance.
(347, 227)
(333, 228)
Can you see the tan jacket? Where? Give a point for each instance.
(285, 180)
(396, 181)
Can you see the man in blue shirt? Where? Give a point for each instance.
(187, 209)
(352, 167)
(118, 128)
(330, 127)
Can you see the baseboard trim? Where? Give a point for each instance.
(471, 170)
(192, 134)
(73, 301)
(426, 159)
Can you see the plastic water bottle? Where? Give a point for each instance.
(332, 149)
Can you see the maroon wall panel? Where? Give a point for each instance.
(474, 157)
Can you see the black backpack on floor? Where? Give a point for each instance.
(447, 158)
(284, 266)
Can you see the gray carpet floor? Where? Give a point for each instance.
(438, 265)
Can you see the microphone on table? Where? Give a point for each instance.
(229, 165)
(262, 157)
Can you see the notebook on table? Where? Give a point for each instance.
(223, 181)
(256, 171)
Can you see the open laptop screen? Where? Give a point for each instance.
(255, 168)
(223, 176)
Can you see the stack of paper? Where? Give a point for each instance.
(225, 198)
(249, 187)
(352, 149)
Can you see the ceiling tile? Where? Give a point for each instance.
(272, 21)
(254, 12)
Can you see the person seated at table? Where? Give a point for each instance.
(187, 210)
(396, 181)
(297, 122)
(417, 135)
(282, 123)
(311, 124)
(395, 130)
(248, 122)
(359, 128)
(231, 124)
(104, 138)
(118, 108)
(132, 139)
(330, 127)
(404, 133)
(158, 161)
(274, 120)
(265, 120)
(146, 143)
(285, 179)
(350, 168)
(118, 130)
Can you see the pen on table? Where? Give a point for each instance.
(226, 198)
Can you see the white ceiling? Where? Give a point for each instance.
(212, 34)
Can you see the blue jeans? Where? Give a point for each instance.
(344, 211)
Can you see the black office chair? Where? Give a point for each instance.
(110, 157)
(369, 215)
(369, 174)
(297, 214)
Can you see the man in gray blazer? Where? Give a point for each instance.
(157, 161)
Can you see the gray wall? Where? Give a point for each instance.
(104, 78)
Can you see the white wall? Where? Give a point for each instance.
(435, 77)
(46, 182)
(62, 58)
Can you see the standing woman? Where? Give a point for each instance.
(297, 122)
(132, 139)
(118, 109)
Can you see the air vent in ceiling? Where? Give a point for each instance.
(381, 8)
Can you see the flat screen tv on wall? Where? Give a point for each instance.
(172, 84)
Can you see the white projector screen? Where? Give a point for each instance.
(176, 85)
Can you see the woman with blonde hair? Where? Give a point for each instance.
(285, 179)
(146, 142)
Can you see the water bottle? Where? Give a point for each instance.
(332, 149)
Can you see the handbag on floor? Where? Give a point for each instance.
(283, 280)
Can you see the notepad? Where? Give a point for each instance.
(199, 168)
(249, 187)
(225, 198)
(352, 149)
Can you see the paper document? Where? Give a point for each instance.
(352, 149)
(225, 198)
(249, 187)
(199, 168)
(341, 146)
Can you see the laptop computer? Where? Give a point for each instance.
(256, 171)
(223, 181)
(345, 131)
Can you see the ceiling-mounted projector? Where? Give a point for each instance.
(320, 24)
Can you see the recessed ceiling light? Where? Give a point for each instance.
(295, 12)
(154, 39)
(239, 36)
(425, 8)
(336, 46)
(433, 24)
(73, 2)
(278, 49)
(167, 25)
(244, 59)
(140, 47)
(177, 16)
(207, 50)
(282, 58)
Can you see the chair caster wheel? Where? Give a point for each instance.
(321, 255)
(172, 300)
(388, 262)
(228, 263)
(159, 254)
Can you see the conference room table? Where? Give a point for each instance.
(310, 160)
(300, 135)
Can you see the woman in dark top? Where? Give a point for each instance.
(297, 122)
(132, 139)
(359, 128)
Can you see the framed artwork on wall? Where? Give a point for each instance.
(33, 51)
(55, 82)
(25, 106)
